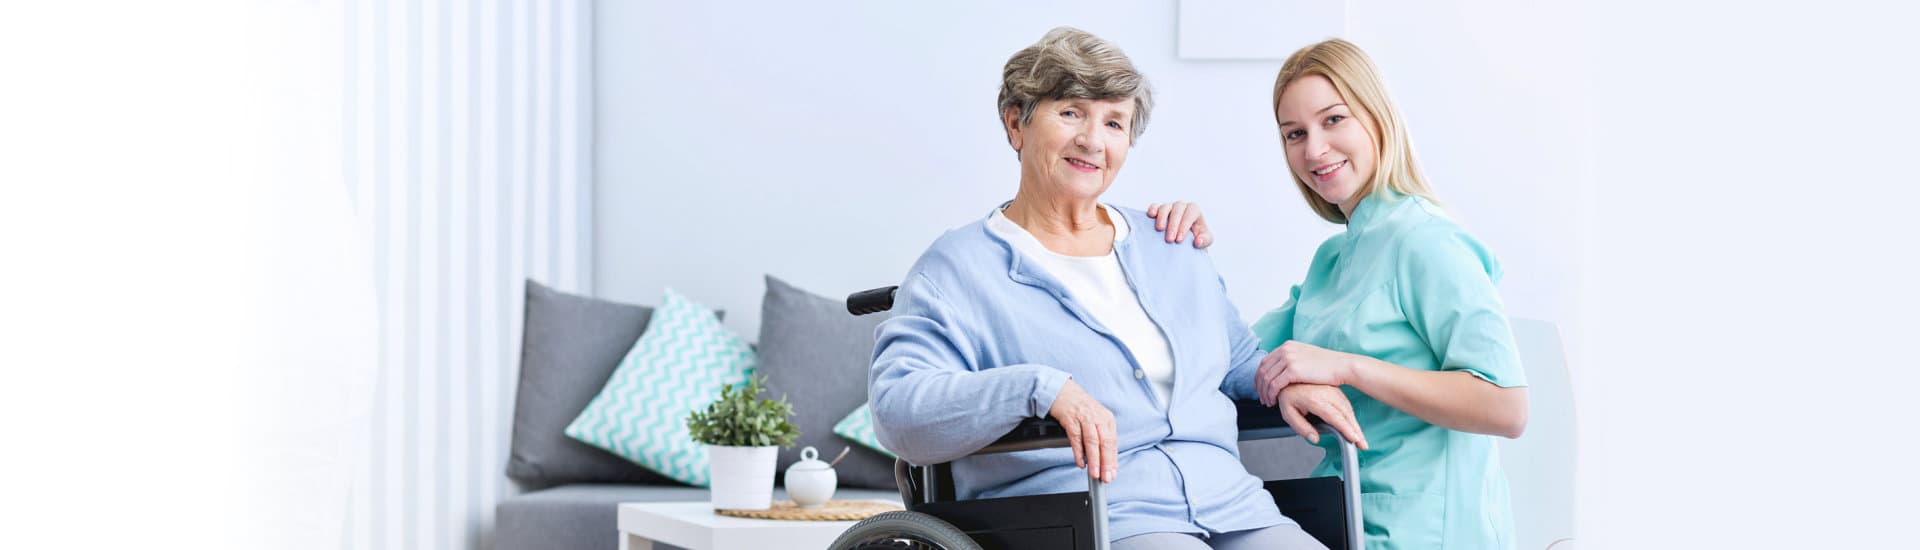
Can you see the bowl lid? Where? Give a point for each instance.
(809, 460)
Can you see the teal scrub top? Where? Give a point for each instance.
(1406, 285)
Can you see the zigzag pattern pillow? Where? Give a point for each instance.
(678, 366)
(858, 426)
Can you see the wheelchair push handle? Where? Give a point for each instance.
(871, 301)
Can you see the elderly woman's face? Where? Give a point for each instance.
(1073, 147)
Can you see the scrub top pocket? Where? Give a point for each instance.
(1415, 521)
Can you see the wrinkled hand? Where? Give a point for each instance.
(1327, 402)
(1296, 362)
(1090, 431)
(1177, 219)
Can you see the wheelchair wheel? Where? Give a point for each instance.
(903, 531)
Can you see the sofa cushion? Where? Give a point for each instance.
(678, 366)
(858, 428)
(816, 354)
(569, 347)
(586, 517)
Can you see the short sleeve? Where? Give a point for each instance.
(1445, 286)
(1276, 327)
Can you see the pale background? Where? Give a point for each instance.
(828, 144)
(1710, 197)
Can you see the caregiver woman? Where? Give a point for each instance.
(1400, 311)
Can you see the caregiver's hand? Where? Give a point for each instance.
(1327, 402)
(1296, 362)
(1179, 218)
(1090, 431)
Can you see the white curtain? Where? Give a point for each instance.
(467, 141)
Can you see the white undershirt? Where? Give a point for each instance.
(1099, 285)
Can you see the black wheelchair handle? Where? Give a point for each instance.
(871, 301)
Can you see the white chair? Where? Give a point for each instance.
(1539, 465)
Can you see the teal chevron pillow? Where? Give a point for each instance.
(678, 366)
(858, 426)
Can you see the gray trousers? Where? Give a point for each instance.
(1278, 537)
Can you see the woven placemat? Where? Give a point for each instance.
(833, 510)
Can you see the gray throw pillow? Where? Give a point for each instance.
(570, 347)
(817, 355)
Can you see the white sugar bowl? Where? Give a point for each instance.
(811, 482)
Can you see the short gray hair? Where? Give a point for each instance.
(1072, 63)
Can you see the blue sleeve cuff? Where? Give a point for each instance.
(1046, 388)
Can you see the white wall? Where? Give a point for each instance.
(1751, 276)
(830, 143)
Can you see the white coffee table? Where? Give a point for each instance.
(694, 526)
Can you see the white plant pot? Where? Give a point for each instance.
(741, 477)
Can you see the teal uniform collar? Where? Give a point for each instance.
(1370, 209)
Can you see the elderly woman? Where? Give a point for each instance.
(1060, 306)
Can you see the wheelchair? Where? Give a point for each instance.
(1327, 508)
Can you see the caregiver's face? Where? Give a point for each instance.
(1073, 147)
(1328, 146)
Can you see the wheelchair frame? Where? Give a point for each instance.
(929, 489)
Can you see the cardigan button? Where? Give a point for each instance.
(1138, 374)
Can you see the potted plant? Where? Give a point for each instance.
(743, 433)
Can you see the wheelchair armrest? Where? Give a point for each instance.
(1256, 422)
(1259, 421)
(934, 482)
(1032, 433)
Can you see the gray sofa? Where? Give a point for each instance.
(811, 352)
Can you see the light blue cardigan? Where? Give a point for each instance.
(982, 337)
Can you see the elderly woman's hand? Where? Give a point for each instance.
(1179, 218)
(1296, 362)
(1327, 402)
(1090, 431)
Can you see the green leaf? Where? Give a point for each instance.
(741, 417)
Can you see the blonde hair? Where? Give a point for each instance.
(1072, 63)
(1358, 81)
